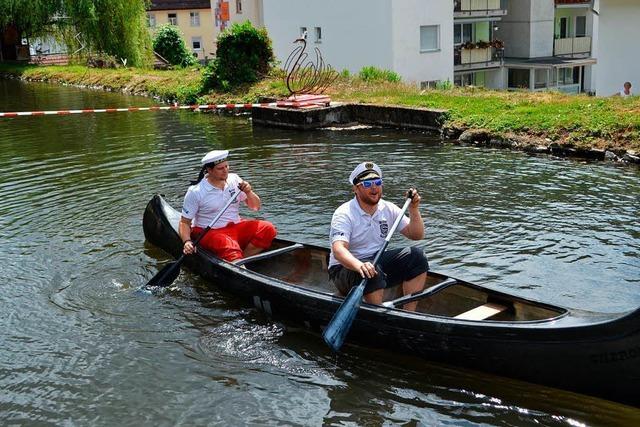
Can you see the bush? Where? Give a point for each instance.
(244, 55)
(371, 74)
(169, 44)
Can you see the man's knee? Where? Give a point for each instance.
(265, 234)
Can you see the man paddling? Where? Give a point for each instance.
(358, 231)
(230, 238)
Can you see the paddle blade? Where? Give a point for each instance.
(166, 276)
(339, 326)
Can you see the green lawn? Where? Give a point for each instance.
(579, 120)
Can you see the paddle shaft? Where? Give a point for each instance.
(211, 224)
(338, 328)
(172, 270)
(388, 238)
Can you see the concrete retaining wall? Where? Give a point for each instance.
(343, 114)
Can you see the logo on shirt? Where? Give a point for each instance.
(232, 191)
(186, 211)
(337, 233)
(384, 228)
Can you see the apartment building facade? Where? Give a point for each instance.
(549, 45)
(201, 21)
(502, 44)
(407, 36)
(616, 46)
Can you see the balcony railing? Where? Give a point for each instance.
(479, 7)
(471, 58)
(584, 2)
(572, 46)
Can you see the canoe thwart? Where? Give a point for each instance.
(398, 302)
(270, 254)
(482, 312)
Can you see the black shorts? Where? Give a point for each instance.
(394, 267)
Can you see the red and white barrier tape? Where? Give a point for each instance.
(158, 108)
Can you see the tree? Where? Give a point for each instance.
(115, 27)
(30, 17)
(244, 55)
(169, 44)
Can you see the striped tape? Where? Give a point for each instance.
(157, 108)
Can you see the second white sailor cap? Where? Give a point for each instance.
(215, 157)
(365, 170)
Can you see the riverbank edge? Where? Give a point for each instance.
(400, 117)
(351, 115)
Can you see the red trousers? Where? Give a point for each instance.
(229, 242)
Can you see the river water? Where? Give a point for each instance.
(80, 346)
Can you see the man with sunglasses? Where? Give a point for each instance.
(358, 231)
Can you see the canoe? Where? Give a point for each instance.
(456, 322)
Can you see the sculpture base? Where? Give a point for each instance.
(305, 101)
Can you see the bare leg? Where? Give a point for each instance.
(414, 285)
(251, 250)
(374, 297)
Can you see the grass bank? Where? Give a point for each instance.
(575, 120)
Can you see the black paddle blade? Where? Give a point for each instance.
(166, 276)
(338, 328)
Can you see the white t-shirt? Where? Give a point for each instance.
(624, 95)
(203, 202)
(365, 233)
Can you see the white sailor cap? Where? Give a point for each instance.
(364, 171)
(215, 157)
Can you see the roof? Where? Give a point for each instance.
(549, 62)
(179, 4)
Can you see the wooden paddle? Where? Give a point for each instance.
(339, 326)
(170, 272)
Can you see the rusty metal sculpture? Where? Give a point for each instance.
(307, 76)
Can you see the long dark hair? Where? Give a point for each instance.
(201, 174)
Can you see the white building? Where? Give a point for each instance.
(411, 37)
(567, 45)
(616, 46)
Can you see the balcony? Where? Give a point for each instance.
(477, 58)
(574, 46)
(479, 8)
(584, 3)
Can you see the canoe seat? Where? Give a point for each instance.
(482, 312)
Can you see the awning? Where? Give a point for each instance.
(551, 62)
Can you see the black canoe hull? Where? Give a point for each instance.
(591, 353)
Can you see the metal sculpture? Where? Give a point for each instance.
(306, 76)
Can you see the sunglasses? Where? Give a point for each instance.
(369, 183)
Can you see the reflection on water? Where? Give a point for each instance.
(81, 347)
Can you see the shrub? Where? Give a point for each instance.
(169, 44)
(371, 74)
(244, 55)
(444, 84)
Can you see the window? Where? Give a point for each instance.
(519, 78)
(541, 75)
(581, 26)
(151, 20)
(568, 76)
(564, 28)
(303, 32)
(173, 19)
(238, 6)
(462, 33)
(429, 38)
(431, 84)
(195, 19)
(196, 43)
(318, 35)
